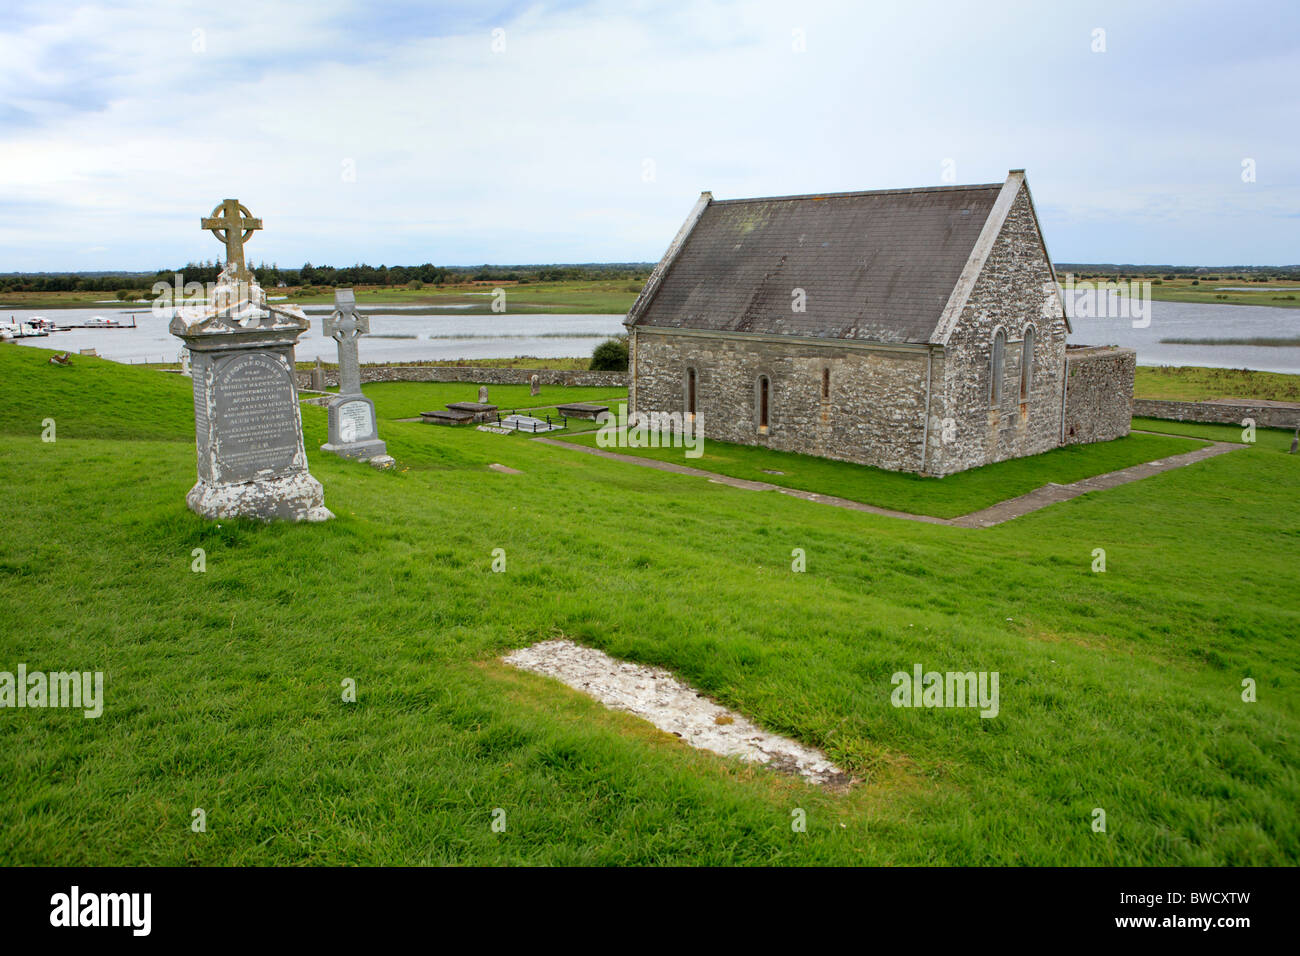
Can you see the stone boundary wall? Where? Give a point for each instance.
(1098, 394)
(478, 375)
(1271, 416)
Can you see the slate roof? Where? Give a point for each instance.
(876, 266)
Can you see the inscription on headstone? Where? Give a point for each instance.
(355, 421)
(254, 397)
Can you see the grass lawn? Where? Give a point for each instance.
(1119, 690)
(1190, 384)
(948, 497)
(1274, 439)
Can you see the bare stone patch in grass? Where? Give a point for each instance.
(653, 694)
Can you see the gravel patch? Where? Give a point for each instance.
(655, 695)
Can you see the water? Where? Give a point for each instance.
(431, 338)
(447, 337)
(1197, 320)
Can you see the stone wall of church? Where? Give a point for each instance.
(1098, 394)
(1008, 295)
(873, 413)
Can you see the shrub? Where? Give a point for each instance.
(610, 355)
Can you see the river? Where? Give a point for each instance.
(396, 336)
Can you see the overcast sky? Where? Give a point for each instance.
(463, 133)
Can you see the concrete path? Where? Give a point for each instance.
(996, 514)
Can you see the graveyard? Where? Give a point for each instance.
(225, 643)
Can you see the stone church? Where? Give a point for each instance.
(916, 330)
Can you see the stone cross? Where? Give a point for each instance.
(233, 228)
(352, 432)
(345, 326)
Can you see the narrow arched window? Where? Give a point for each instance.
(690, 391)
(826, 385)
(997, 367)
(762, 400)
(1027, 364)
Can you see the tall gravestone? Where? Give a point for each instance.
(248, 429)
(352, 430)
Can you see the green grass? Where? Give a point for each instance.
(1275, 439)
(1191, 384)
(947, 497)
(1118, 690)
(1278, 293)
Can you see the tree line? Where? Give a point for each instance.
(271, 275)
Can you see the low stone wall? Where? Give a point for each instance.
(478, 375)
(1098, 394)
(1273, 415)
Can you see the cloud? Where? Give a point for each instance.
(402, 136)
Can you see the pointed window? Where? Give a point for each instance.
(1027, 364)
(997, 367)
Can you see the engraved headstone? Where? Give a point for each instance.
(534, 385)
(248, 430)
(352, 431)
(318, 376)
(482, 395)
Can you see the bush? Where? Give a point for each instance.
(610, 355)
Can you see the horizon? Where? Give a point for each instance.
(582, 132)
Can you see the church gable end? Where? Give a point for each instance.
(997, 407)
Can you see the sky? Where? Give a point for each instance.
(470, 132)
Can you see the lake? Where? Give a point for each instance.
(397, 336)
(1201, 320)
(394, 336)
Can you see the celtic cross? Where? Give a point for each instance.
(233, 227)
(345, 326)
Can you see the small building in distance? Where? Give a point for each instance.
(916, 330)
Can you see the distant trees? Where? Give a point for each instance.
(271, 275)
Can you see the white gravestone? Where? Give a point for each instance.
(352, 431)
